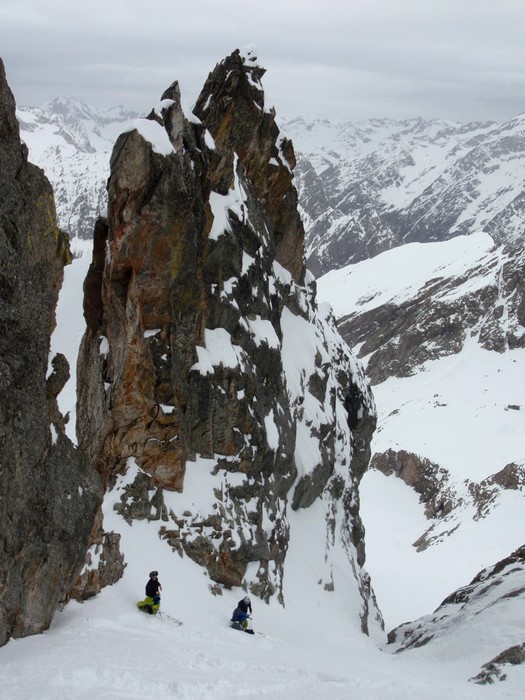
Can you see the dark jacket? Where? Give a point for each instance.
(153, 587)
(244, 607)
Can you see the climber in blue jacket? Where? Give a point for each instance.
(240, 614)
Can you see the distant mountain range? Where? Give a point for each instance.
(363, 187)
(370, 186)
(72, 143)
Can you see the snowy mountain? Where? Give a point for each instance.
(363, 187)
(72, 143)
(423, 301)
(367, 187)
(440, 329)
(306, 649)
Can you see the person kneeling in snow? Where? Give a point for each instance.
(151, 603)
(153, 587)
(240, 614)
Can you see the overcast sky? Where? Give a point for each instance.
(341, 59)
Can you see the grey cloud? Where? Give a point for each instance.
(456, 60)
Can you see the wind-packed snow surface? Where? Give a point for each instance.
(310, 649)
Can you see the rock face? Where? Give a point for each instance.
(445, 501)
(427, 479)
(205, 351)
(48, 492)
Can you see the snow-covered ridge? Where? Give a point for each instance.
(498, 590)
(424, 301)
(398, 275)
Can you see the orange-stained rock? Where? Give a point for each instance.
(192, 367)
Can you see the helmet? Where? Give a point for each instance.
(247, 600)
(153, 573)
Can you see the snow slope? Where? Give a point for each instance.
(471, 435)
(396, 275)
(464, 412)
(71, 326)
(105, 648)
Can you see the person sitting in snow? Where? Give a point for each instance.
(240, 614)
(153, 587)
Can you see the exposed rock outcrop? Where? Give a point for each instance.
(206, 358)
(486, 302)
(427, 479)
(444, 500)
(494, 670)
(498, 591)
(48, 491)
(242, 127)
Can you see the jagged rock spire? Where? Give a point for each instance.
(205, 352)
(232, 106)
